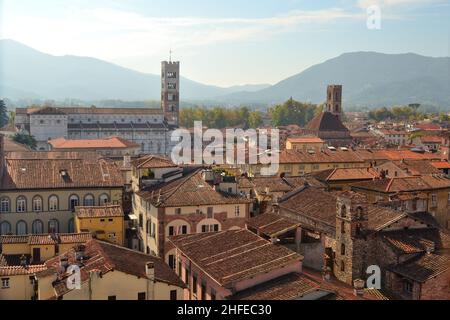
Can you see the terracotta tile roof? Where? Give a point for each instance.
(12, 146)
(431, 139)
(271, 224)
(326, 121)
(323, 155)
(12, 239)
(233, 255)
(389, 154)
(153, 162)
(277, 184)
(56, 173)
(99, 211)
(423, 267)
(105, 257)
(190, 190)
(440, 164)
(339, 174)
(416, 240)
(305, 140)
(46, 110)
(95, 110)
(292, 286)
(417, 167)
(320, 208)
(20, 270)
(404, 184)
(61, 238)
(428, 126)
(108, 143)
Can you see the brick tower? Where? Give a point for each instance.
(170, 91)
(334, 100)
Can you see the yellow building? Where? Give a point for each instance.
(304, 143)
(23, 256)
(38, 248)
(40, 190)
(104, 222)
(108, 272)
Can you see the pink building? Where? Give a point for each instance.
(238, 264)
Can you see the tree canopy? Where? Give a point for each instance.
(293, 112)
(3, 114)
(220, 117)
(25, 139)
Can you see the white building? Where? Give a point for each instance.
(150, 128)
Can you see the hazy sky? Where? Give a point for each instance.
(225, 42)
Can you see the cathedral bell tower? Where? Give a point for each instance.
(334, 100)
(170, 91)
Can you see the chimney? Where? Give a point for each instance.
(430, 247)
(80, 252)
(150, 270)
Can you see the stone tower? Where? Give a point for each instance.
(334, 100)
(170, 91)
(351, 223)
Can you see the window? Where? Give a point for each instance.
(210, 228)
(171, 231)
(184, 230)
(173, 295)
(37, 227)
(407, 286)
(448, 198)
(112, 298)
(53, 226)
(171, 74)
(213, 294)
(21, 204)
(210, 212)
(315, 167)
(203, 293)
(237, 211)
(5, 228)
(21, 228)
(433, 200)
(141, 296)
(194, 283)
(172, 261)
(73, 202)
(187, 276)
(53, 203)
(343, 211)
(4, 205)
(89, 200)
(103, 199)
(5, 283)
(343, 249)
(342, 266)
(171, 86)
(177, 210)
(37, 204)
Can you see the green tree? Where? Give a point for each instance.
(25, 139)
(292, 112)
(254, 119)
(3, 114)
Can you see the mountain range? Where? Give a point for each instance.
(369, 79)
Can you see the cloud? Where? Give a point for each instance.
(396, 3)
(112, 33)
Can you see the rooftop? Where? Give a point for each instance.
(109, 143)
(326, 121)
(190, 190)
(60, 173)
(43, 239)
(105, 257)
(402, 184)
(233, 255)
(342, 174)
(153, 162)
(271, 224)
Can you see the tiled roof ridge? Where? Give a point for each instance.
(169, 193)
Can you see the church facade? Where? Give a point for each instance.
(150, 128)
